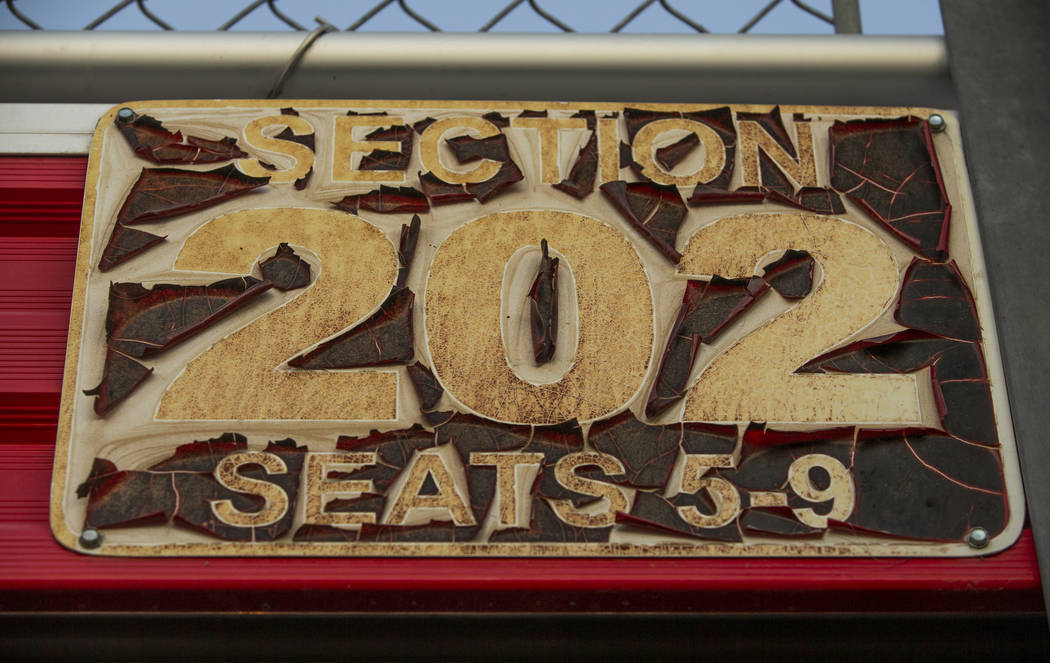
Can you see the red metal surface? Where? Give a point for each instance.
(39, 218)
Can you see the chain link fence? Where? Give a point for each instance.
(688, 16)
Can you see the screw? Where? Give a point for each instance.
(125, 114)
(937, 123)
(977, 538)
(91, 538)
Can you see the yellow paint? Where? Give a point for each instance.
(430, 149)
(276, 499)
(241, 376)
(840, 489)
(723, 494)
(753, 137)
(505, 467)
(255, 137)
(463, 325)
(448, 498)
(550, 129)
(615, 497)
(344, 146)
(318, 485)
(755, 379)
(644, 147)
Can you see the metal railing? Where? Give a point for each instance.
(579, 49)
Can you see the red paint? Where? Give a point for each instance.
(38, 574)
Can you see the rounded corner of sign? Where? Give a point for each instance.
(110, 115)
(64, 535)
(1009, 536)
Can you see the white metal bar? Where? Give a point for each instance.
(48, 128)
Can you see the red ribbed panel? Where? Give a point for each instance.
(39, 217)
(40, 202)
(41, 196)
(36, 281)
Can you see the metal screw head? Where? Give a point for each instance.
(977, 537)
(937, 123)
(125, 114)
(91, 538)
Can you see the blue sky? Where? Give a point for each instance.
(720, 16)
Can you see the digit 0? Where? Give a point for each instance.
(615, 323)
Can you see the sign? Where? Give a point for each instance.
(495, 328)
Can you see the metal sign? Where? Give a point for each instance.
(498, 328)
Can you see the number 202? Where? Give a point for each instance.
(754, 380)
